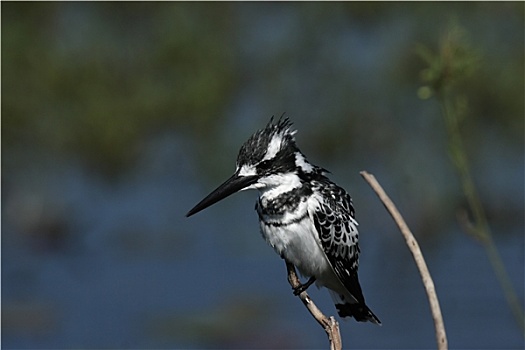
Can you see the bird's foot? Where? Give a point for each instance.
(301, 288)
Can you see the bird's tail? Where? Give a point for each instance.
(354, 309)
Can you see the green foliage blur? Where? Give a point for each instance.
(455, 63)
(93, 86)
(92, 81)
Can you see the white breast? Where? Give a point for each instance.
(297, 243)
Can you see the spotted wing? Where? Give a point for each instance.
(337, 229)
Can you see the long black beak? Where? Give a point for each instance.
(230, 186)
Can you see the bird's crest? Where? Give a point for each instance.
(267, 142)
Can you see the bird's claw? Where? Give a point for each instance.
(301, 288)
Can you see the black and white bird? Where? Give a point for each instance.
(306, 218)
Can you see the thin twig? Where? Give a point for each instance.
(441, 335)
(329, 324)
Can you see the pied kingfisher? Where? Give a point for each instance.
(306, 218)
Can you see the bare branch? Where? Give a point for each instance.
(441, 335)
(329, 324)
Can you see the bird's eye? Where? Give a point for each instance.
(264, 165)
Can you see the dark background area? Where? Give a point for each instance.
(118, 117)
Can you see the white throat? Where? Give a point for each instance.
(274, 185)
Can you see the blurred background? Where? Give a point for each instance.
(118, 117)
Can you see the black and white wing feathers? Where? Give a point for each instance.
(337, 229)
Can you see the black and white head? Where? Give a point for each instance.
(269, 158)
